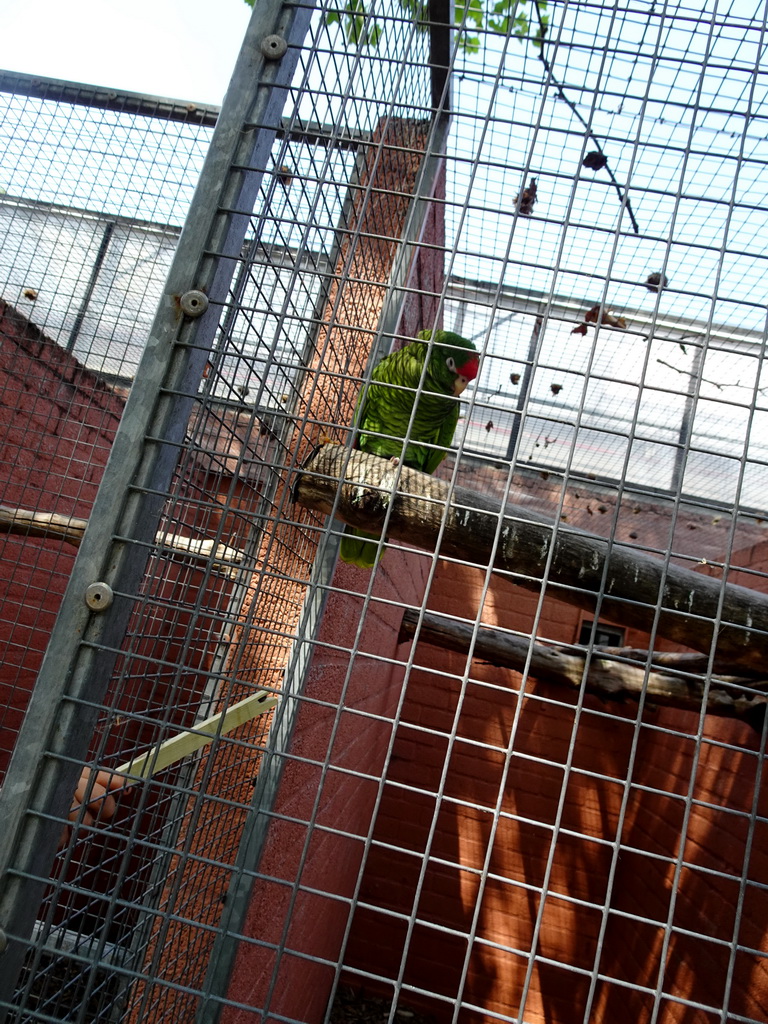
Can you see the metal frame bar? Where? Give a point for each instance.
(83, 646)
(268, 780)
(108, 99)
(98, 262)
(568, 307)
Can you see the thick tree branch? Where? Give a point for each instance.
(577, 567)
(610, 673)
(27, 523)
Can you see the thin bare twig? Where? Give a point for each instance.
(623, 196)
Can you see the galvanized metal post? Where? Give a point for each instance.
(111, 563)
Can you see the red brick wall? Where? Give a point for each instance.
(57, 421)
(354, 740)
(423, 308)
(56, 429)
(503, 814)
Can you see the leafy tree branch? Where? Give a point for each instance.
(472, 19)
(504, 17)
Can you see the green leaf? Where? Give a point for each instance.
(541, 32)
(469, 12)
(355, 22)
(418, 9)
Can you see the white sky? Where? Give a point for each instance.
(688, 136)
(183, 49)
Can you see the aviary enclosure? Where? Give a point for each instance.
(512, 773)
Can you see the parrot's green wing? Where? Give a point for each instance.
(386, 404)
(381, 410)
(444, 439)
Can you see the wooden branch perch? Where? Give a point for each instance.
(606, 675)
(577, 566)
(42, 524)
(70, 529)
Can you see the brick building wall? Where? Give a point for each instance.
(327, 796)
(262, 644)
(57, 421)
(56, 430)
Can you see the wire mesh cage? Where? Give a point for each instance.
(511, 770)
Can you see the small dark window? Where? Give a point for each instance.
(605, 636)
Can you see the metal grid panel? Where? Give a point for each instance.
(445, 835)
(95, 188)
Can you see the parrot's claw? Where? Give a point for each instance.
(376, 499)
(357, 497)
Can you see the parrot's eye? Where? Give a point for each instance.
(450, 362)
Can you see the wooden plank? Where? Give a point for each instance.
(164, 754)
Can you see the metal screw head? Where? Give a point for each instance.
(193, 303)
(273, 47)
(98, 596)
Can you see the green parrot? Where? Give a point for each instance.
(453, 363)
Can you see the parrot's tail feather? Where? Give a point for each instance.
(360, 548)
